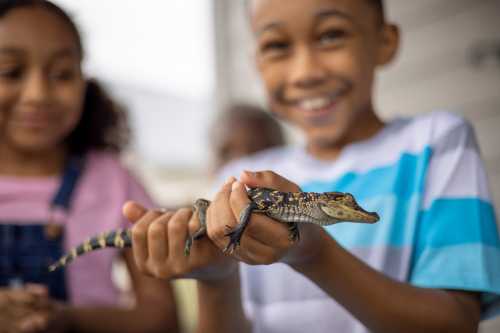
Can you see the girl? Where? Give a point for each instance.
(60, 181)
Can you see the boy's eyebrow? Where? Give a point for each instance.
(268, 26)
(326, 13)
(10, 51)
(321, 15)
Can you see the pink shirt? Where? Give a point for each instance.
(102, 190)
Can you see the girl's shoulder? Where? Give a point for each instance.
(105, 163)
(102, 167)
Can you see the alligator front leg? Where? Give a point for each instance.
(235, 234)
(293, 232)
(200, 207)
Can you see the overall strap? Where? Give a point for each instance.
(71, 174)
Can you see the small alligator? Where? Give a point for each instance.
(287, 207)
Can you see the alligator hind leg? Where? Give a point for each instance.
(293, 232)
(200, 208)
(236, 233)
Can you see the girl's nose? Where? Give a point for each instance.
(36, 89)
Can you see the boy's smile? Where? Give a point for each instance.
(316, 110)
(317, 59)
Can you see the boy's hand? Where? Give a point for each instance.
(158, 240)
(265, 240)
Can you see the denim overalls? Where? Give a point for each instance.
(26, 250)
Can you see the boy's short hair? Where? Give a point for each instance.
(377, 4)
(379, 7)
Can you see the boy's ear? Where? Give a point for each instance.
(389, 44)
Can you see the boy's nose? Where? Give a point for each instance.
(306, 70)
(36, 89)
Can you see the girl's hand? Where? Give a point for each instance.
(158, 245)
(265, 240)
(29, 310)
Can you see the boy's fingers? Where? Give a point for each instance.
(268, 179)
(220, 215)
(133, 211)
(140, 238)
(225, 190)
(158, 239)
(177, 234)
(262, 228)
(239, 199)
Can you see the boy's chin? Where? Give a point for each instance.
(325, 138)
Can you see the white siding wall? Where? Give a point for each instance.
(433, 69)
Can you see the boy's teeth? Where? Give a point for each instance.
(314, 103)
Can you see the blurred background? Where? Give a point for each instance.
(176, 64)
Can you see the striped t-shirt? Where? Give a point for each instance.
(425, 178)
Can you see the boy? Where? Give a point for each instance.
(431, 264)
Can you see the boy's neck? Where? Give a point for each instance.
(31, 164)
(329, 151)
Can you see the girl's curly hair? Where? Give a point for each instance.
(103, 124)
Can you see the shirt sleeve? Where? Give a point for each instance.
(457, 243)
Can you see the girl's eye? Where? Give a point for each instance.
(332, 36)
(63, 75)
(11, 73)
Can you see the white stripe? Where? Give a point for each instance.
(410, 136)
(456, 174)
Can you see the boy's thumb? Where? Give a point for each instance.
(268, 179)
(133, 211)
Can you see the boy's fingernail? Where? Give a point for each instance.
(230, 180)
(235, 185)
(249, 173)
(161, 210)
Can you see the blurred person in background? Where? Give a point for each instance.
(242, 130)
(60, 182)
(432, 262)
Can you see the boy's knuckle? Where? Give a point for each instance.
(139, 231)
(184, 214)
(178, 269)
(156, 230)
(193, 224)
(161, 271)
(175, 226)
(217, 232)
(142, 266)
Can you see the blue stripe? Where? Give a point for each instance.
(472, 267)
(403, 178)
(396, 228)
(395, 193)
(458, 221)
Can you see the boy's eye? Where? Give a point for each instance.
(331, 36)
(11, 73)
(274, 48)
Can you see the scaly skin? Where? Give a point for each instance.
(297, 207)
